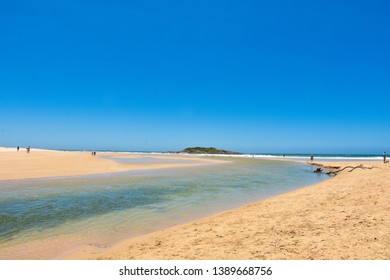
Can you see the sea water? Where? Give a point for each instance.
(104, 209)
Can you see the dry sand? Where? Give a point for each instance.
(47, 163)
(346, 217)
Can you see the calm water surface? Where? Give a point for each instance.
(107, 208)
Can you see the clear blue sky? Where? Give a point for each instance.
(252, 76)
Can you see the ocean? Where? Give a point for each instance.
(71, 212)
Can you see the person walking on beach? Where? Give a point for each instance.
(28, 149)
(384, 157)
(311, 158)
(17, 148)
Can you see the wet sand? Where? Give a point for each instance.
(47, 163)
(346, 217)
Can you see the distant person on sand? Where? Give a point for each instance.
(28, 149)
(384, 157)
(311, 158)
(17, 148)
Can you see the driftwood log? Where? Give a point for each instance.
(336, 169)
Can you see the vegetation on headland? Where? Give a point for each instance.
(210, 150)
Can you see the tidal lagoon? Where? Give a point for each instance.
(50, 217)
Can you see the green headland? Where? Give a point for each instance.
(210, 150)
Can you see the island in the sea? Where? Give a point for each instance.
(210, 150)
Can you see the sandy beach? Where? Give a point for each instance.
(48, 163)
(346, 217)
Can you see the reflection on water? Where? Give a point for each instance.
(151, 160)
(107, 208)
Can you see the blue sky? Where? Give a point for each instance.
(252, 76)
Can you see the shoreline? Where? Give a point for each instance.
(345, 217)
(335, 219)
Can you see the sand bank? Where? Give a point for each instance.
(47, 163)
(346, 217)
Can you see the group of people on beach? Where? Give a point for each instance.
(28, 149)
